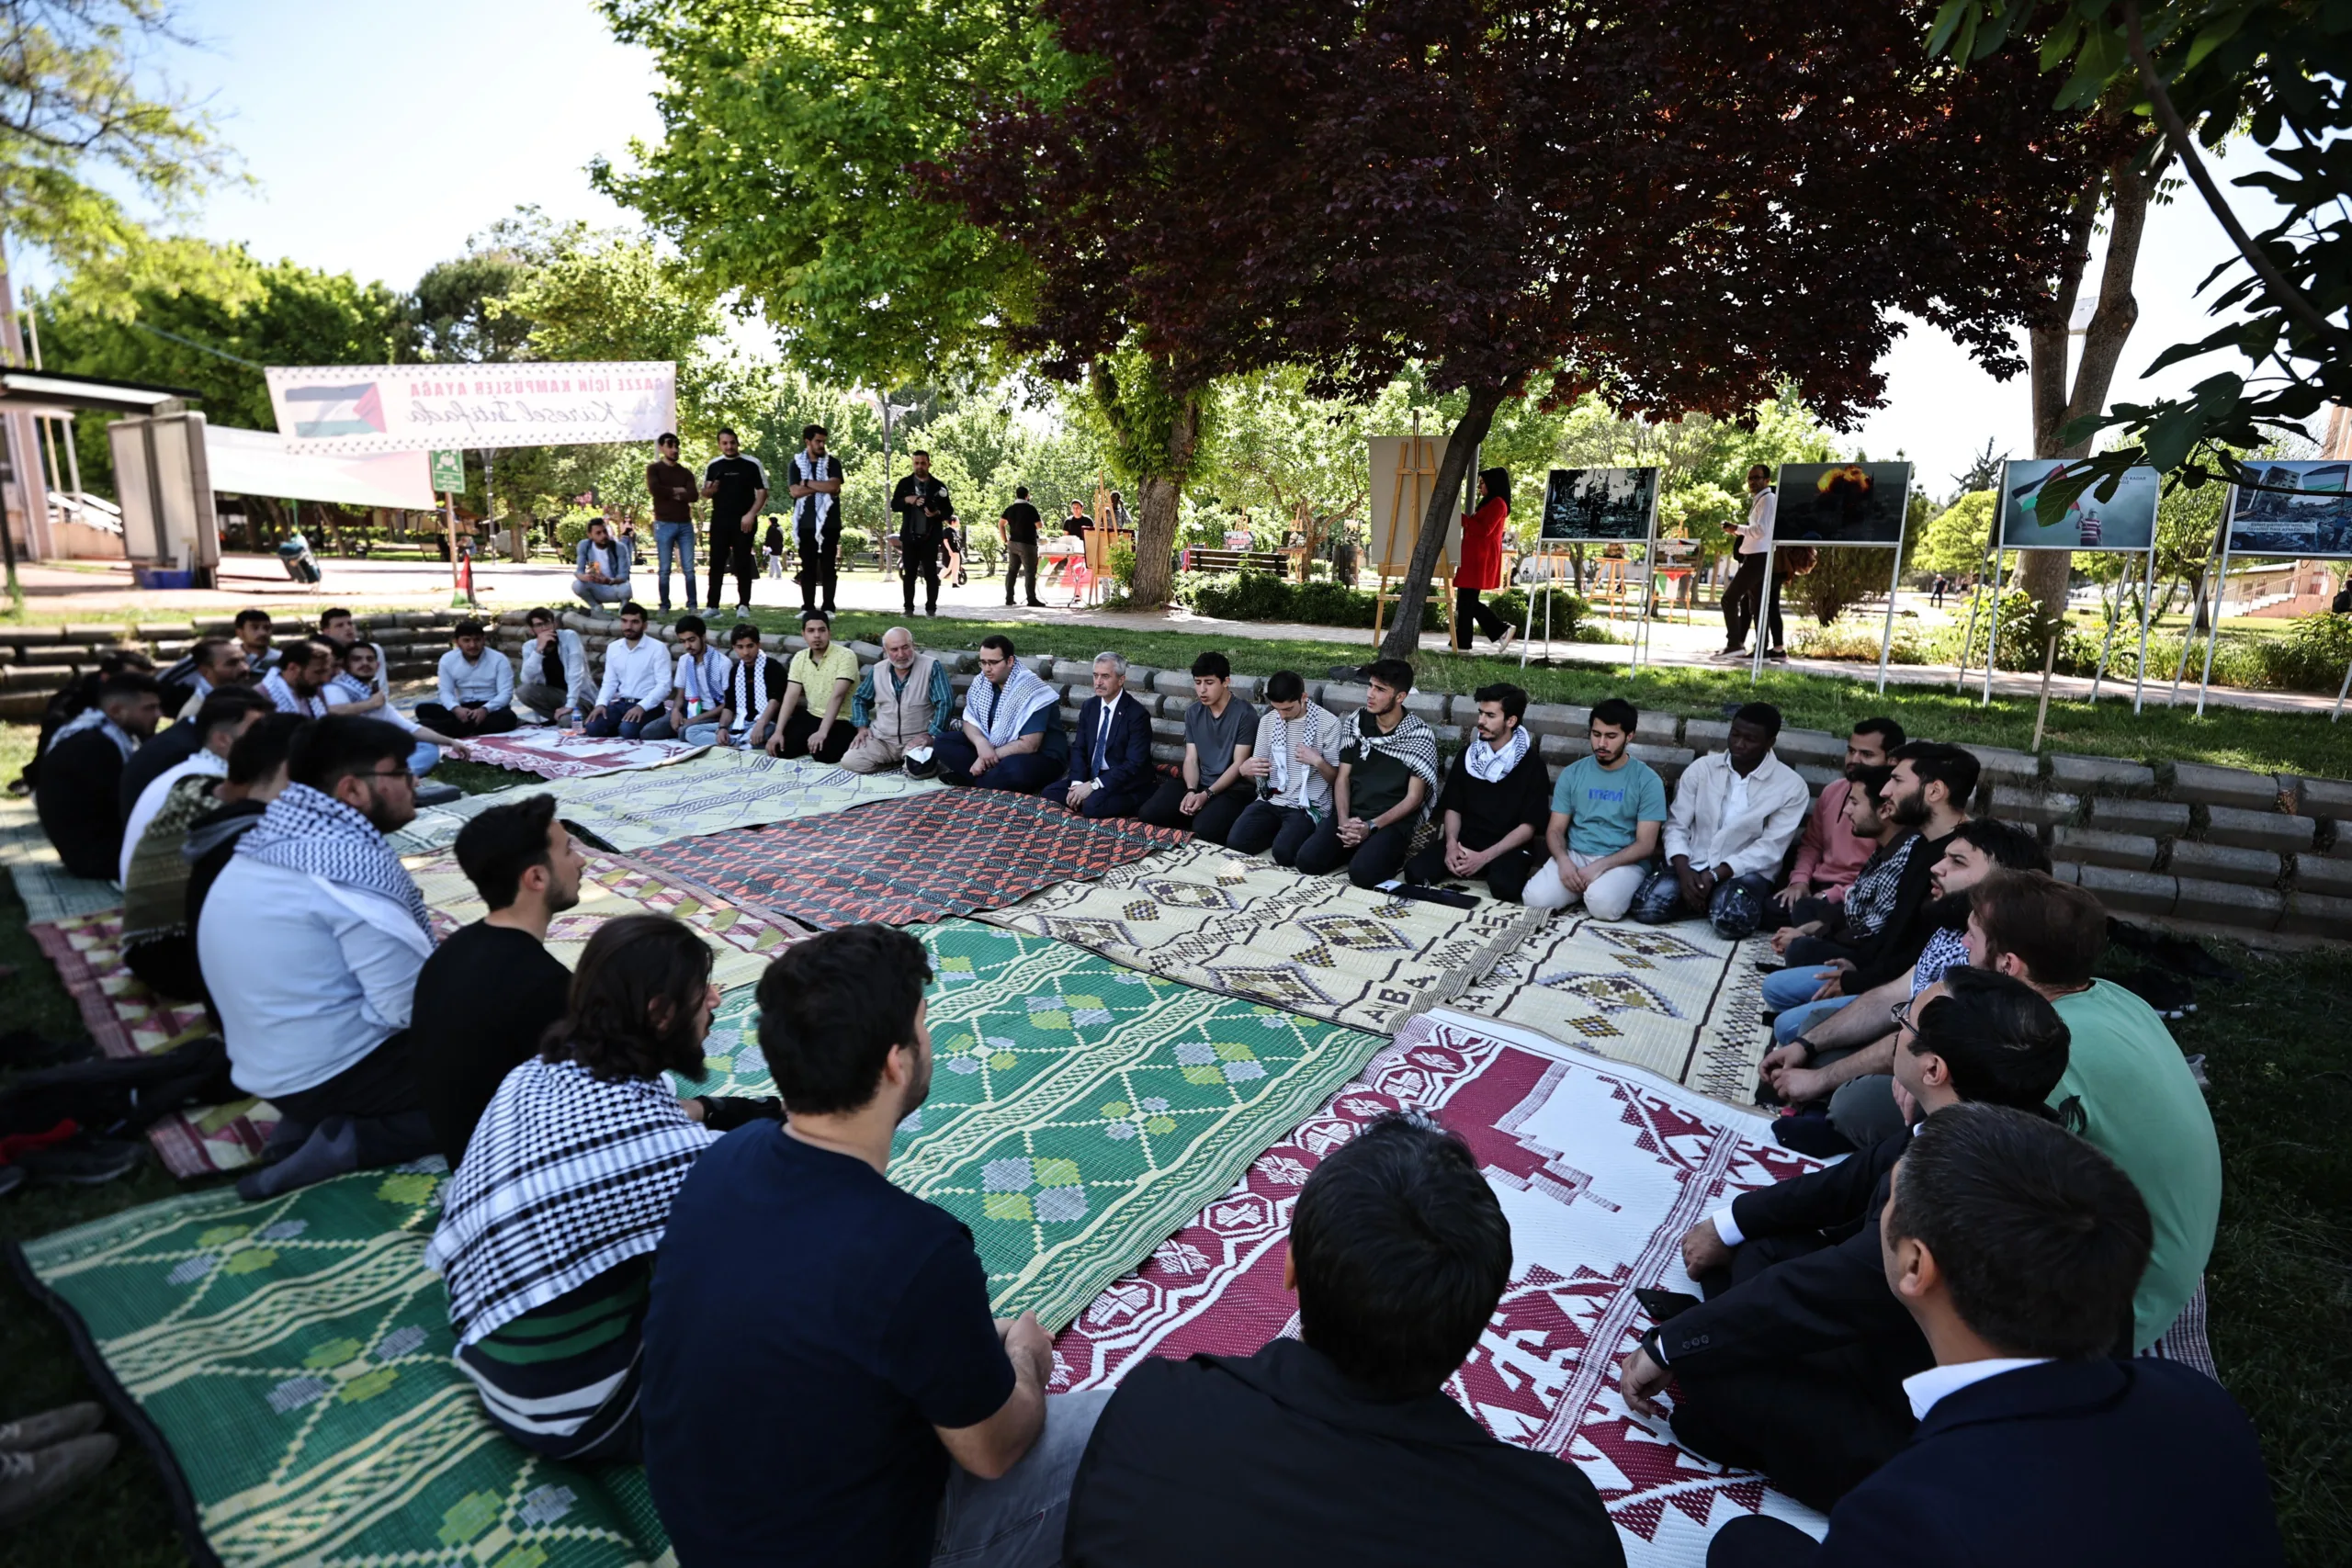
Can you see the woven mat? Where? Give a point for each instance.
(126, 1019)
(1252, 929)
(1676, 999)
(1079, 1110)
(613, 886)
(947, 852)
(1600, 1169)
(561, 754)
(48, 890)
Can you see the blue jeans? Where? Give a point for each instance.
(599, 592)
(423, 761)
(1798, 1016)
(1016, 1520)
(1734, 909)
(678, 536)
(616, 721)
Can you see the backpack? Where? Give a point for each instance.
(1794, 560)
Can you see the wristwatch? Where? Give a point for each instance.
(1810, 1049)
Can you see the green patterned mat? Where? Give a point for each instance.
(294, 1356)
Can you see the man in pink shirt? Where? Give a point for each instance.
(1829, 854)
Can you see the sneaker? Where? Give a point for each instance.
(83, 1163)
(1729, 656)
(1503, 643)
(31, 1482)
(1780, 653)
(29, 1432)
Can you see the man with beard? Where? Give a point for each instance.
(1835, 1056)
(922, 507)
(1794, 1362)
(488, 994)
(1829, 854)
(901, 705)
(1496, 802)
(917, 1427)
(78, 792)
(1602, 831)
(298, 683)
(314, 976)
(1736, 812)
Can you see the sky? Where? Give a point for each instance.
(377, 138)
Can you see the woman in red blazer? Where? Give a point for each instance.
(1480, 569)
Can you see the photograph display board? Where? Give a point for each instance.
(1597, 505)
(1404, 477)
(2030, 520)
(2315, 523)
(1841, 504)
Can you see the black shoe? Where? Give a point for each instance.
(1665, 1306)
(1809, 1133)
(436, 795)
(1780, 653)
(83, 1162)
(26, 1048)
(1038, 605)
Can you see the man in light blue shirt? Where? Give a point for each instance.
(1607, 812)
(699, 682)
(476, 688)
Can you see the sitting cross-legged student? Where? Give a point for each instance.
(1829, 854)
(699, 690)
(636, 684)
(814, 721)
(310, 959)
(2015, 1249)
(1388, 771)
(1794, 1363)
(257, 765)
(474, 685)
(1220, 732)
(870, 1412)
(485, 998)
(78, 792)
(362, 683)
(1496, 802)
(745, 719)
(1341, 1445)
(1734, 814)
(1011, 735)
(1296, 765)
(547, 1229)
(226, 715)
(156, 945)
(1850, 927)
(1601, 834)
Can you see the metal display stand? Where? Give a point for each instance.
(1894, 579)
(1993, 637)
(1648, 541)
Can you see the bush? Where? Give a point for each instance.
(2310, 656)
(1857, 640)
(573, 526)
(1261, 597)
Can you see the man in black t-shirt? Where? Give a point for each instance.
(1495, 804)
(871, 1412)
(487, 995)
(1017, 526)
(737, 487)
(923, 506)
(1341, 1445)
(815, 486)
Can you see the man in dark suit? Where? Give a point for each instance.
(1794, 1363)
(1109, 763)
(2016, 1247)
(79, 790)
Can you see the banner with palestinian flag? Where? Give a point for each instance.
(358, 409)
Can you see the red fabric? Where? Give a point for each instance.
(16, 1143)
(1481, 566)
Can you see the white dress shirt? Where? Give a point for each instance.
(1719, 818)
(1756, 534)
(570, 673)
(637, 677)
(462, 682)
(151, 799)
(308, 978)
(1924, 1388)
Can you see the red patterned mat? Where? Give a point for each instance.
(927, 857)
(1600, 1166)
(126, 1019)
(567, 754)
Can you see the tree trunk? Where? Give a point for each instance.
(1160, 471)
(1156, 511)
(1404, 638)
(2126, 187)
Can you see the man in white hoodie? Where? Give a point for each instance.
(1734, 814)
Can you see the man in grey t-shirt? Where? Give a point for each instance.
(1219, 734)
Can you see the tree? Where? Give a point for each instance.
(1955, 539)
(78, 132)
(1984, 472)
(1654, 200)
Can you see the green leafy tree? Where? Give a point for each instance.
(1956, 538)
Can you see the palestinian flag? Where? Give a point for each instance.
(336, 410)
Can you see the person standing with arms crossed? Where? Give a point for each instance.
(816, 492)
(736, 487)
(671, 486)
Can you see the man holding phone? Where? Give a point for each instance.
(1745, 597)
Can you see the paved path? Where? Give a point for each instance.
(103, 592)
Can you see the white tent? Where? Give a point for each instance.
(255, 462)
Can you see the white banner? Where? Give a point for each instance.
(357, 409)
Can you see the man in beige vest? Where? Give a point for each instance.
(902, 704)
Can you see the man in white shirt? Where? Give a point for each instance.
(554, 679)
(362, 685)
(313, 979)
(226, 713)
(599, 567)
(476, 688)
(1734, 814)
(1746, 590)
(637, 681)
(1295, 763)
(698, 685)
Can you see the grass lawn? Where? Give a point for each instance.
(2280, 1279)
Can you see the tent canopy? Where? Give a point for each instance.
(255, 462)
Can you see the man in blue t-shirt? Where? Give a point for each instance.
(1607, 812)
(819, 1347)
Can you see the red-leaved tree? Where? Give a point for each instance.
(1686, 206)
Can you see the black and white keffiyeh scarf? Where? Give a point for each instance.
(564, 1177)
(1000, 711)
(1412, 742)
(1281, 739)
(94, 719)
(747, 690)
(1870, 903)
(307, 831)
(1488, 765)
(273, 687)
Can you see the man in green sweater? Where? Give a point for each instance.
(2127, 1090)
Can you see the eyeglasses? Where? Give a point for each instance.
(399, 772)
(1901, 1013)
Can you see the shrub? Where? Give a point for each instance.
(573, 526)
(1261, 597)
(1857, 640)
(2310, 656)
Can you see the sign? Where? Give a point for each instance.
(1841, 504)
(255, 462)
(2031, 521)
(2314, 520)
(1590, 505)
(448, 471)
(406, 408)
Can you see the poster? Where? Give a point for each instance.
(2314, 521)
(2030, 520)
(363, 409)
(1592, 505)
(1841, 504)
(1404, 479)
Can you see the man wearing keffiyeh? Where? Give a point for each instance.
(1012, 736)
(1388, 771)
(78, 791)
(1495, 801)
(315, 979)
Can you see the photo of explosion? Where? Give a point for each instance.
(1841, 504)
(2302, 510)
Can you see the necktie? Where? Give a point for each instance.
(1103, 736)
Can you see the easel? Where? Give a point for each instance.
(1413, 485)
(1772, 544)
